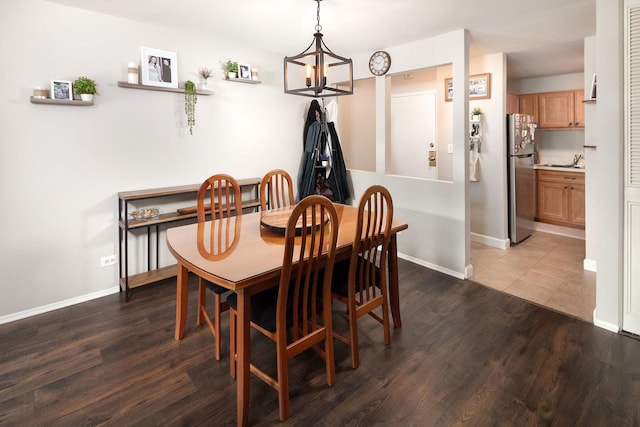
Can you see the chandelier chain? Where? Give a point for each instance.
(318, 26)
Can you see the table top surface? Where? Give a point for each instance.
(237, 252)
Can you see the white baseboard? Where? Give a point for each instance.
(559, 230)
(56, 305)
(605, 325)
(468, 271)
(590, 265)
(490, 241)
(439, 268)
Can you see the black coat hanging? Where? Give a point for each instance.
(313, 178)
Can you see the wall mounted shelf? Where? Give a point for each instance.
(161, 89)
(253, 82)
(589, 101)
(60, 102)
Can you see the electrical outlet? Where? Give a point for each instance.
(449, 148)
(107, 260)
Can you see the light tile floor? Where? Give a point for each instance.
(546, 269)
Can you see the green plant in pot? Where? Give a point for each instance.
(231, 69)
(85, 87)
(476, 111)
(190, 99)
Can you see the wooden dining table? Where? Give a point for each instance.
(248, 260)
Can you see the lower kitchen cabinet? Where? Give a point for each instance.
(561, 198)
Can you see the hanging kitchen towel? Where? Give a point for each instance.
(474, 168)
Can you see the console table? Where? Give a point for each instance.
(250, 202)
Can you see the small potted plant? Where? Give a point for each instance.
(204, 74)
(475, 114)
(85, 87)
(231, 69)
(190, 99)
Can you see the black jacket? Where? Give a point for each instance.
(312, 177)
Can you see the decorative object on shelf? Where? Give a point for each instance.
(61, 89)
(479, 87)
(85, 87)
(40, 93)
(204, 74)
(145, 213)
(254, 74)
(244, 71)
(475, 114)
(310, 69)
(159, 67)
(230, 69)
(594, 83)
(190, 99)
(133, 73)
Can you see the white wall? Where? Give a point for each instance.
(62, 167)
(590, 158)
(488, 196)
(437, 212)
(610, 138)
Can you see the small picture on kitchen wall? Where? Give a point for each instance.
(593, 87)
(479, 87)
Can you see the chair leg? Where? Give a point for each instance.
(216, 323)
(353, 335)
(232, 343)
(283, 381)
(328, 350)
(385, 321)
(202, 301)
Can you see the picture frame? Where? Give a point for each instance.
(158, 67)
(244, 71)
(479, 87)
(594, 83)
(61, 89)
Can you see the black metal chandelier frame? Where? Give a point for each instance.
(315, 62)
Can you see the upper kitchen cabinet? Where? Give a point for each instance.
(513, 103)
(529, 105)
(561, 110)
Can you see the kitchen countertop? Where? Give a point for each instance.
(547, 167)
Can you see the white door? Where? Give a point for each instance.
(413, 135)
(631, 312)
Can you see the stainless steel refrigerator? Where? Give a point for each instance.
(521, 175)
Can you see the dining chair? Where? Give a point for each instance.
(219, 195)
(301, 304)
(361, 282)
(276, 190)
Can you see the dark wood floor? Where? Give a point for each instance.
(466, 355)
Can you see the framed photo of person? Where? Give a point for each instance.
(244, 71)
(158, 67)
(61, 89)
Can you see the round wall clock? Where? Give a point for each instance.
(379, 63)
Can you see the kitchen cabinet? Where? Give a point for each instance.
(561, 110)
(513, 103)
(561, 198)
(529, 105)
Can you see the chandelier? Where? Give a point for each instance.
(307, 74)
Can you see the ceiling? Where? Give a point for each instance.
(540, 38)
